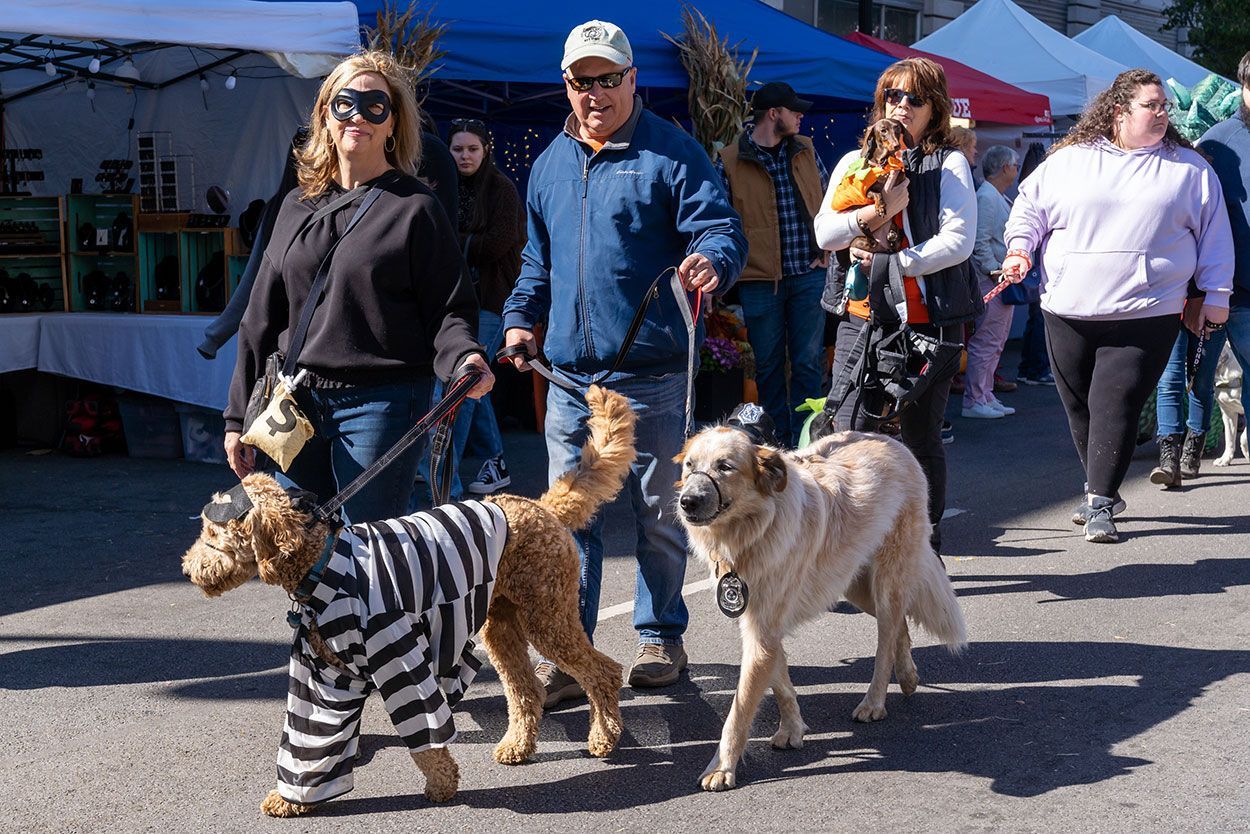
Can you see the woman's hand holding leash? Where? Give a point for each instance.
(1015, 266)
(477, 362)
(240, 456)
(1203, 319)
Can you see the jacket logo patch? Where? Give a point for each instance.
(625, 172)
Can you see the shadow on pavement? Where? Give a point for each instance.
(1016, 728)
(1206, 576)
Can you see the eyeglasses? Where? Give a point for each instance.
(1157, 107)
(607, 81)
(894, 97)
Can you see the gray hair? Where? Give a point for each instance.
(994, 160)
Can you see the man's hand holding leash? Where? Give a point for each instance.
(520, 336)
(698, 273)
(477, 362)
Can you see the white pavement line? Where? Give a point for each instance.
(627, 607)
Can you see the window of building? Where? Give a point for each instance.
(841, 17)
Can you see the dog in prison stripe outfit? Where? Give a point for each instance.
(393, 606)
(398, 604)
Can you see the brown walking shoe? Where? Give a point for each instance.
(657, 664)
(558, 686)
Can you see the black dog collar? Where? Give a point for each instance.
(348, 102)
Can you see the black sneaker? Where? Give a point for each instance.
(492, 477)
(558, 686)
(1081, 514)
(1099, 526)
(657, 664)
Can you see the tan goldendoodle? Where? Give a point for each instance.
(375, 613)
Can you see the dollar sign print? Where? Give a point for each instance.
(288, 418)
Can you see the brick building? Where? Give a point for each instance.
(906, 21)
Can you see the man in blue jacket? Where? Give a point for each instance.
(617, 198)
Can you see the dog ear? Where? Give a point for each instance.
(870, 143)
(680, 457)
(770, 470)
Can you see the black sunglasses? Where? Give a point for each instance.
(895, 97)
(471, 124)
(607, 81)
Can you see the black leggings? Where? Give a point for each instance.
(920, 423)
(1105, 372)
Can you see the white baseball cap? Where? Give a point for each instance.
(597, 39)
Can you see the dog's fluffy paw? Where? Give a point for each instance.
(602, 740)
(513, 749)
(867, 712)
(788, 738)
(1224, 460)
(718, 780)
(275, 806)
(908, 680)
(440, 791)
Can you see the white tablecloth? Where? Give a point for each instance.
(19, 341)
(153, 354)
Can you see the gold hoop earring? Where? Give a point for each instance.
(389, 144)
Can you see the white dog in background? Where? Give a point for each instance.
(1228, 382)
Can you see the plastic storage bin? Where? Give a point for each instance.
(151, 426)
(203, 434)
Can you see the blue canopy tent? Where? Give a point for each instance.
(502, 63)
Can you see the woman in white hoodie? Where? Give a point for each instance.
(1123, 213)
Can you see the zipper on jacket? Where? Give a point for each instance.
(581, 256)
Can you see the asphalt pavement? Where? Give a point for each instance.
(1103, 689)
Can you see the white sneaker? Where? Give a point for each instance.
(997, 405)
(493, 476)
(981, 411)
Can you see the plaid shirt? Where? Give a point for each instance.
(798, 237)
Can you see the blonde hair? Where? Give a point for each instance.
(317, 161)
(962, 136)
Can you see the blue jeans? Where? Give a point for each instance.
(1170, 391)
(780, 317)
(354, 427)
(1238, 333)
(472, 415)
(660, 614)
(1033, 359)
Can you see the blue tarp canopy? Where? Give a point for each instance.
(521, 42)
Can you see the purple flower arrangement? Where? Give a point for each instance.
(721, 355)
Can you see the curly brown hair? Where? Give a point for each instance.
(1098, 120)
(926, 79)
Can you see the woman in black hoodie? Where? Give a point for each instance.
(397, 307)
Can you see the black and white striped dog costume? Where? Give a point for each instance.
(399, 603)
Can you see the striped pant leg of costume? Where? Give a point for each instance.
(403, 674)
(322, 732)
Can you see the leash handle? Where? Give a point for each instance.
(446, 406)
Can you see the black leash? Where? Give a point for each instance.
(442, 413)
(558, 377)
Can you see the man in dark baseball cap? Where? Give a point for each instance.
(776, 182)
(778, 94)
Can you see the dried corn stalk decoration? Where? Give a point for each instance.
(718, 80)
(410, 36)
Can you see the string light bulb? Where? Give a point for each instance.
(232, 81)
(128, 70)
(49, 68)
(94, 66)
(203, 83)
(91, 90)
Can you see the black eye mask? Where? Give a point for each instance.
(348, 102)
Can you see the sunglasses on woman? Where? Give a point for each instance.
(894, 97)
(608, 81)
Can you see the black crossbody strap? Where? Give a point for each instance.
(323, 274)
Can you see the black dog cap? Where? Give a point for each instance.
(228, 506)
(752, 420)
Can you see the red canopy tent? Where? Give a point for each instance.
(974, 94)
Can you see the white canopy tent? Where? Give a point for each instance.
(1000, 38)
(163, 66)
(1117, 40)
